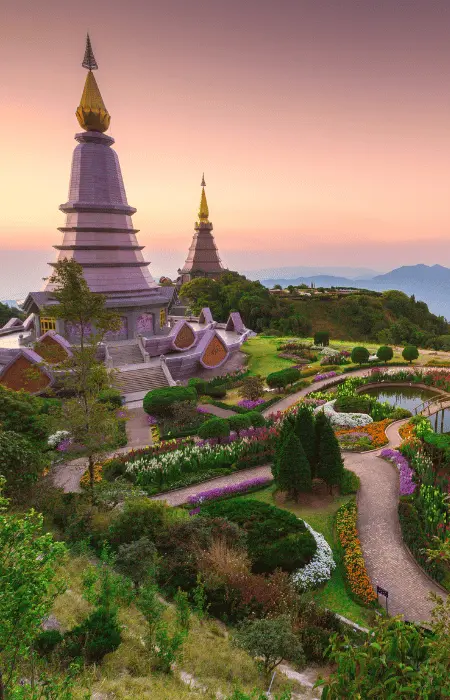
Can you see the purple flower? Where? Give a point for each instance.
(195, 511)
(200, 409)
(231, 489)
(248, 403)
(407, 485)
(64, 445)
(121, 414)
(325, 375)
(151, 420)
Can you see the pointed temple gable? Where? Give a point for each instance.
(25, 371)
(184, 337)
(205, 316)
(203, 257)
(213, 350)
(53, 347)
(235, 323)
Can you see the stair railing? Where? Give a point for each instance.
(141, 346)
(163, 364)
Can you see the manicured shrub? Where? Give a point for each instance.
(410, 353)
(385, 353)
(257, 420)
(111, 396)
(330, 465)
(241, 421)
(214, 428)
(353, 404)
(198, 384)
(283, 378)
(136, 559)
(399, 413)
(360, 354)
(349, 482)
(98, 635)
(47, 642)
(267, 529)
(322, 338)
(160, 401)
(216, 392)
(293, 470)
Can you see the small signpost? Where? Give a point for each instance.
(383, 591)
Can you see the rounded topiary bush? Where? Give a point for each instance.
(322, 338)
(353, 404)
(360, 354)
(240, 421)
(214, 428)
(159, 402)
(276, 539)
(216, 392)
(256, 419)
(385, 353)
(410, 353)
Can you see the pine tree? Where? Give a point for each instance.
(304, 428)
(330, 464)
(294, 472)
(287, 426)
(320, 420)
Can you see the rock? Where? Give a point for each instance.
(51, 623)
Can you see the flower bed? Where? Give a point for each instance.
(375, 431)
(344, 420)
(250, 404)
(155, 473)
(230, 490)
(98, 476)
(320, 567)
(355, 568)
(325, 375)
(407, 485)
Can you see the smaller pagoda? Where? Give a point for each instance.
(203, 257)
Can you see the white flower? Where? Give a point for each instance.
(344, 420)
(319, 568)
(56, 438)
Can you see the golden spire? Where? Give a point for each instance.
(203, 212)
(92, 114)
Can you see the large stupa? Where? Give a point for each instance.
(99, 232)
(203, 257)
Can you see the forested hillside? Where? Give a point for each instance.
(388, 317)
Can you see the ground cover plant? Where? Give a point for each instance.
(275, 538)
(356, 574)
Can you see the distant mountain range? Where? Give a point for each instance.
(430, 284)
(289, 273)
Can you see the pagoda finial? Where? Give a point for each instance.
(92, 114)
(89, 61)
(203, 212)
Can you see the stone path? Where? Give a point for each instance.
(388, 562)
(217, 411)
(180, 496)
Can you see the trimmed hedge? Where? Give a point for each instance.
(111, 396)
(214, 428)
(275, 537)
(283, 378)
(159, 402)
(353, 404)
(239, 421)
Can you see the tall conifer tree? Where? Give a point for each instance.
(294, 472)
(330, 465)
(304, 429)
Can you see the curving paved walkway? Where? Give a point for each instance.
(388, 562)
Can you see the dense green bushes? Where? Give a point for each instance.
(111, 396)
(275, 538)
(353, 404)
(283, 378)
(417, 539)
(322, 338)
(360, 354)
(160, 402)
(214, 428)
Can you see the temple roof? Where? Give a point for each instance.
(203, 257)
(92, 114)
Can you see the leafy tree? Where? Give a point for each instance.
(21, 463)
(160, 402)
(137, 560)
(29, 584)
(304, 429)
(360, 354)
(270, 640)
(410, 353)
(8, 312)
(90, 422)
(397, 660)
(294, 472)
(330, 466)
(385, 353)
(252, 387)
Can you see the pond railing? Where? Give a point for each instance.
(442, 401)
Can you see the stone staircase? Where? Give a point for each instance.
(140, 379)
(125, 354)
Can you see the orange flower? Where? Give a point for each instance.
(377, 431)
(98, 476)
(355, 568)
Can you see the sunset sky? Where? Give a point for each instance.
(323, 127)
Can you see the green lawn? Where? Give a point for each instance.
(334, 594)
